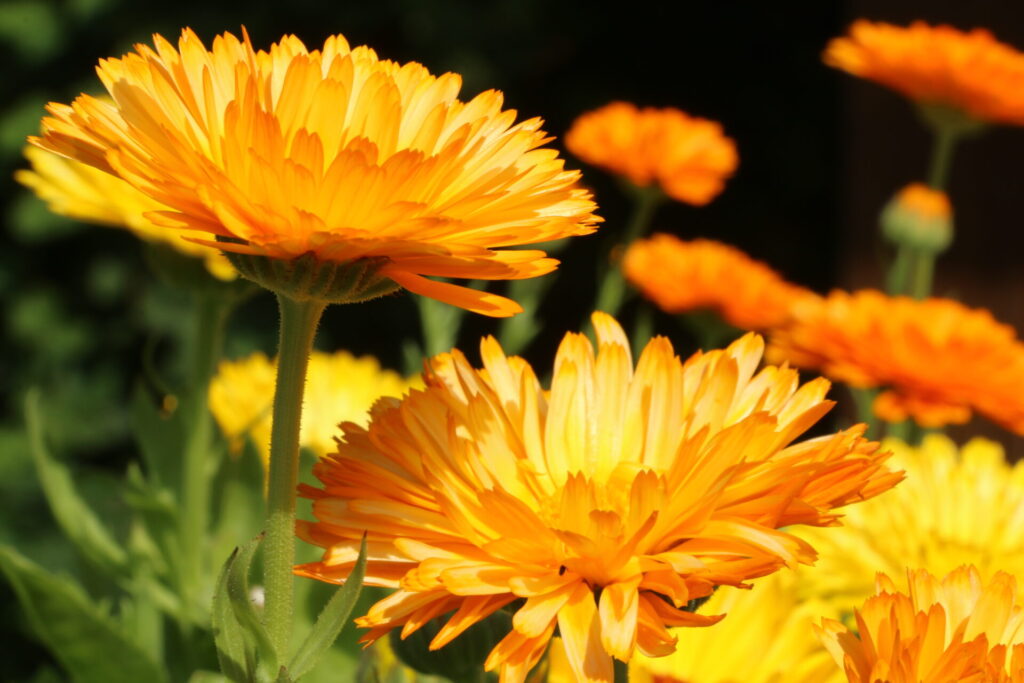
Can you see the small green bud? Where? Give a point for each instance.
(919, 217)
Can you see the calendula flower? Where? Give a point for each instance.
(958, 628)
(936, 360)
(688, 157)
(331, 153)
(339, 388)
(79, 191)
(682, 276)
(956, 507)
(937, 65)
(768, 637)
(604, 504)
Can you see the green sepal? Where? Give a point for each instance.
(75, 518)
(243, 648)
(331, 619)
(89, 643)
(460, 660)
(307, 278)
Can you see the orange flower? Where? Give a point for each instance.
(937, 65)
(330, 152)
(954, 629)
(684, 276)
(604, 504)
(690, 158)
(937, 359)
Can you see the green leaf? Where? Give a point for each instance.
(243, 648)
(76, 519)
(85, 640)
(161, 439)
(331, 620)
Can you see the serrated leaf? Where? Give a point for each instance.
(331, 620)
(85, 639)
(78, 522)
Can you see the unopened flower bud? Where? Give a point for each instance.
(920, 217)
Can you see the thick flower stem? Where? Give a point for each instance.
(613, 284)
(621, 670)
(211, 312)
(298, 327)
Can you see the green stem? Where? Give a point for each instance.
(299, 320)
(923, 273)
(208, 343)
(946, 138)
(899, 272)
(613, 283)
(643, 327)
(864, 399)
(621, 670)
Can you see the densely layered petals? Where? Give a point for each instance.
(333, 152)
(79, 191)
(937, 65)
(682, 276)
(688, 157)
(339, 388)
(603, 505)
(956, 507)
(957, 628)
(936, 360)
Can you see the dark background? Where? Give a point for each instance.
(820, 154)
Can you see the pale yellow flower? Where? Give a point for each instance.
(76, 190)
(339, 388)
(954, 508)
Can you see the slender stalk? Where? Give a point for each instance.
(208, 342)
(613, 284)
(299, 320)
(621, 670)
(864, 400)
(643, 327)
(946, 138)
(923, 274)
(899, 272)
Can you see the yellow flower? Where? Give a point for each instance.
(959, 628)
(681, 276)
(937, 65)
(690, 158)
(81, 192)
(330, 152)
(339, 388)
(604, 504)
(768, 637)
(936, 360)
(954, 508)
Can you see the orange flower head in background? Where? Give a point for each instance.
(936, 360)
(957, 628)
(604, 504)
(81, 192)
(937, 65)
(331, 152)
(682, 276)
(688, 157)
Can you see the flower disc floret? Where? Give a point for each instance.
(601, 507)
(331, 152)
